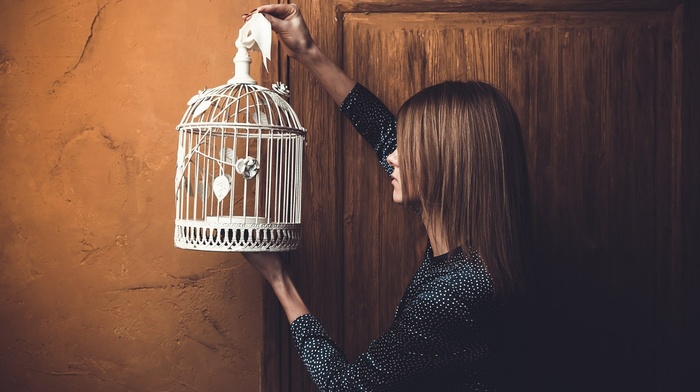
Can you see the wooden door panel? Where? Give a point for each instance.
(602, 93)
(595, 110)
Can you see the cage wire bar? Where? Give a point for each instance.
(239, 170)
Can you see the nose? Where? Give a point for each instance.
(393, 159)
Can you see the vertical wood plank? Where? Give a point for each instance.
(361, 216)
(317, 267)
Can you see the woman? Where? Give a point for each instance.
(459, 162)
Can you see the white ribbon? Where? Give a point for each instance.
(256, 34)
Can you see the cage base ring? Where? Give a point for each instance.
(237, 237)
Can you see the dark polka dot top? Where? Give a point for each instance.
(439, 339)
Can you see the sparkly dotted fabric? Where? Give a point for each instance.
(373, 121)
(438, 340)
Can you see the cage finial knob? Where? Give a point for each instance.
(241, 64)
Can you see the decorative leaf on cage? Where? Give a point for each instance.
(186, 188)
(229, 156)
(260, 118)
(201, 108)
(222, 186)
(281, 103)
(200, 189)
(196, 97)
(281, 88)
(192, 189)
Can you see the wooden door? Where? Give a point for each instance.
(604, 91)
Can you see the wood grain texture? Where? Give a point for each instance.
(411, 6)
(595, 93)
(607, 96)
(379, 258)
(317, 267)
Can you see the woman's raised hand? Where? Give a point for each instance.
(288, 23)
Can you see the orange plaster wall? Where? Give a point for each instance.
(93, 295)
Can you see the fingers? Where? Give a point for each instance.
(274, 22)
(286, 20)
(247, 15)
(279, 11)
(274, 13)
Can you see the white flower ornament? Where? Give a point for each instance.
(281, 88)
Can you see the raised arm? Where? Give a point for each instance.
(367, 113)
(288, 23)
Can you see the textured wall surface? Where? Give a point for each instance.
(93, 295)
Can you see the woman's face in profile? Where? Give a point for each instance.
(396, 181)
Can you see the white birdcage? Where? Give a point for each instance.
(239, 167)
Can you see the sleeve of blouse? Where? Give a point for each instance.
(373, 121)
(430, 335)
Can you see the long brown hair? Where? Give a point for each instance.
(462, 158)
